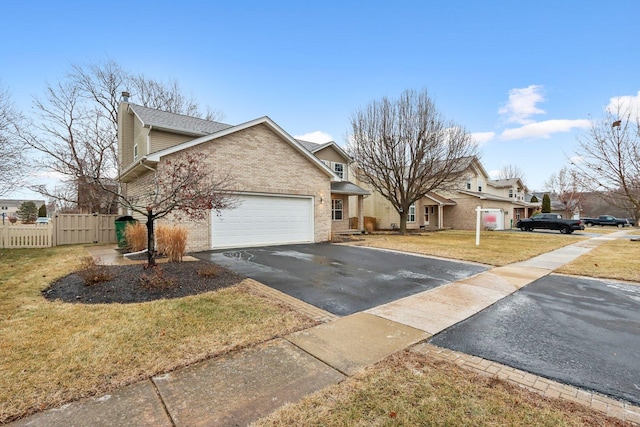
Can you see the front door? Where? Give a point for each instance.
(426, 215)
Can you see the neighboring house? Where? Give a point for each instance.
(9, 207)
(455, 207)
(573, 211)
(289, 191)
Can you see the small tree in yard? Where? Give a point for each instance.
(404, 149)
(546, 204)
(28, 212)
(42, 211)
(184, 185)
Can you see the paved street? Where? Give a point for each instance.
(579, 331)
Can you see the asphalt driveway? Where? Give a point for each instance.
(583, 332)
(341, 279)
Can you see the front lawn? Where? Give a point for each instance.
(407, 389)
(496, 247)
(55, 352)
(617, 259)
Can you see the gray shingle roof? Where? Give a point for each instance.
(177, 122)
(313, 146)
(346, 187)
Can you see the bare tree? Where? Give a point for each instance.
(185, 186)
(404, 149)
(565, 187)
(75, 128)
(609, 158)
(12, 161)
(511, 171)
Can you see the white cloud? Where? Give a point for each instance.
(544, 129)
(318, 137)
(522, 104)
(494, 174)
(482, 138)
(625, 105)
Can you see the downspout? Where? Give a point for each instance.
(149, 140)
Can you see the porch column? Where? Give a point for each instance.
(361, 212)
(440, 219)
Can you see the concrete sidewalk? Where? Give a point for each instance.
(246, 385)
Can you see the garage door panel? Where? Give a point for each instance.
(264, 220)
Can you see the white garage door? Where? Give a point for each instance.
(264, 220)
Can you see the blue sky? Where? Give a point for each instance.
(524, 77)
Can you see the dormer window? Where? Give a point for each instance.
(135, 152)
(510, 193)
(338, 168)
(468, 183)
(480, 186)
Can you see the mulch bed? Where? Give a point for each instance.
(135, 283)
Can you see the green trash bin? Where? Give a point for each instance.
(121, 224)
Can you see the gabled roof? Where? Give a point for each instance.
(472, 162)
(488, 196)
(176, 122)
(314, 147)
(154, 158)
(506, 183)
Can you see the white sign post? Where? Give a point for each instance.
(479, 211)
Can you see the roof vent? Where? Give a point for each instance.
(125, 96)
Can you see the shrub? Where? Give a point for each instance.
(210, 270)
(154, 278)
(92, 273)
(136, 235)
(171, 241)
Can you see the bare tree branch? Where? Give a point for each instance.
(608, 159)
(75, 128)
(566, 189)
(185, 185)
(12, 159)
(404, 149)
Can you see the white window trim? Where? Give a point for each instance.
(412, 213)
(334, 209)
(342, 174)
(135, 152)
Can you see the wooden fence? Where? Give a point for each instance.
(64, 229)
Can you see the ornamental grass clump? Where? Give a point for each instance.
(171, 241)
(136, 236)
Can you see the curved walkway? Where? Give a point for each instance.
(243, 386)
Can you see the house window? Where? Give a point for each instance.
(511, 194)
(479, 186)
(411, 216)
(135, 152)
(338, 168)
(433, 209)
(336, 209)
(468, 183)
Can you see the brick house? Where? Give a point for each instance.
(454, 207)
(288, 191)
